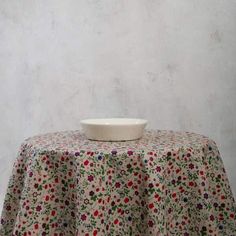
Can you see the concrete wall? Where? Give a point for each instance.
(172, 62)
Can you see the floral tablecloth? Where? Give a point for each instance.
(167, 183)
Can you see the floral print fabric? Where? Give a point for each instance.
(167, 183)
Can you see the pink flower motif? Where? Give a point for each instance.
(90, 178)
(117, 184)
(191, 166)
(83, 217)
(113, 152)
(212, 218)
(38, 208)
(150, 223)
(158, 168)
(130, 153)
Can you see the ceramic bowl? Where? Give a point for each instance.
(113, 129)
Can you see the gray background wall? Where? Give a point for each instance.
(172, 62)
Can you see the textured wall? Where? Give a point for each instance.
(172, 62)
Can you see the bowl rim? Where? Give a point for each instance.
(107, 121)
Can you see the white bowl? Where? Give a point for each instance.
(113, 129)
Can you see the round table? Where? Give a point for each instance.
(166, 183)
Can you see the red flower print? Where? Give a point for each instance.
(86, 162)
(130, 183)
(191, 184)
(126, 200)
(121, 179)
(53, 213)
(116, 221)
(117, 185)
(177, 171)
(72, 186)
(151, 205)
(150, 223)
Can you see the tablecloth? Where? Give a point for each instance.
(166, 183)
